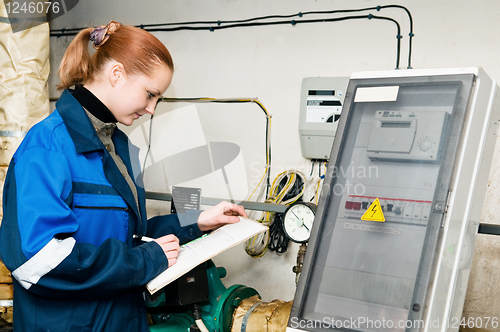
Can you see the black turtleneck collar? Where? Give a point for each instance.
(92, 104)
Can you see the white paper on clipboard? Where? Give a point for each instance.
(202, 249)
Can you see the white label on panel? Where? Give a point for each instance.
(375, 94)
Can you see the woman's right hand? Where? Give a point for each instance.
(170, 246)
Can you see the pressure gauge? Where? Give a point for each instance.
(298, 220)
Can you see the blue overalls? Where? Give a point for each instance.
(66, 233)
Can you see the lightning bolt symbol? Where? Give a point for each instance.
(374, 209)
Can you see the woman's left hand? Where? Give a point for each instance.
(219, 215)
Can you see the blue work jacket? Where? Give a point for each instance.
(66, 233)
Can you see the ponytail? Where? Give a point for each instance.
(75, 64)
(139, 51)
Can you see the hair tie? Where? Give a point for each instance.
(101, 34)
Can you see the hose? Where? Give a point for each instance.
(200, 325)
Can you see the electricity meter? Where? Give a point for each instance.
(321, 101)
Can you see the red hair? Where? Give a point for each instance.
(139, 51)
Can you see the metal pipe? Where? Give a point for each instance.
(256, 206)
(489, 229)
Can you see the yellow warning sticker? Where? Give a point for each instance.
(374, 212)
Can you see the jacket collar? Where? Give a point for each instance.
(78, 124)
(93, 104)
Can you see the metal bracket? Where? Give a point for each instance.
(489, 229)
(7, 133)
(6, 303)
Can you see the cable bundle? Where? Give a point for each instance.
(287, 188)
(321, 177)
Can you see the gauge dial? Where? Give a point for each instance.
(298, 221)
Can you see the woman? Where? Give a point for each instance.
(71, 208)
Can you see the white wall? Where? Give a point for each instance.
(270, 62)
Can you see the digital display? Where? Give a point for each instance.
(324, 103)
(321, 92)
(405, 124)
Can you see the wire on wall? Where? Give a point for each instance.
(267, 170)
(149, 145)
(256, 246)
(295, 22)
(320, 179)
(257, 21)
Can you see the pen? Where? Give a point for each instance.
(143, 238)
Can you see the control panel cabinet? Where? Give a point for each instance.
(419, 143)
